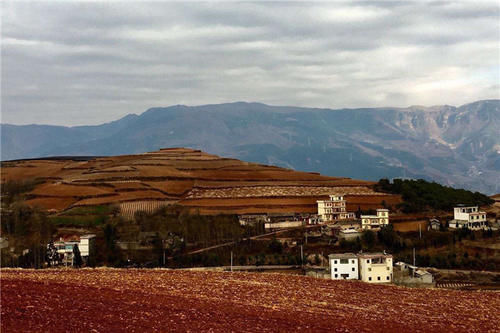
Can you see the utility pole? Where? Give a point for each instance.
(231, 261)
(302, 255)
(414, 262)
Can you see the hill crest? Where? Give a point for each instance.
(189, 177)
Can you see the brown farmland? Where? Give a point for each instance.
(200, 181)
(113, 300)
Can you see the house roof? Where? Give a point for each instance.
(350, 231)
(342, 256)
(374, 255)
(87, 236)
(422, 272)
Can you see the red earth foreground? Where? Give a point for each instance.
(115, 300)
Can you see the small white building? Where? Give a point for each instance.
(87, 245)
(283, 224)
(375, 221)
(349, 234)
(375, 267)
(434, 224)
(344, 266)
(333, 209)
(468, 217)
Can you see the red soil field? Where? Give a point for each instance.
(179, 174)
(114, 300)
(51, 203)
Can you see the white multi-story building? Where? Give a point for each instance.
(333, 209)
(375, 267)
(344, 266)
(468, 217)
(375, 221)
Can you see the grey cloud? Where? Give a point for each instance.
(85, 63)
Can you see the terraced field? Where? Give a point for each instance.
(120, 300)
(192, 178)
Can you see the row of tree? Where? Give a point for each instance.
(421, 195)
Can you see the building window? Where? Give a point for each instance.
(352, 261)
(335, 261)
(369, 278)
(387, 278)
(353, 269)
(369, 269)
(335, 270)
(344, 261)
(367, 261)
(378, 278)
(388, 268)
(336, 275)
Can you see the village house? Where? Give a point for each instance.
(375, 221)
(349, 234)
(313, 219)
(406, 274)
(343, 266)
(65, 250)
(333, 209)
(468, 217)
(434, 224)
(352, 224)
(284, 224)
(253, 219)
(375, 267)
(86, 246)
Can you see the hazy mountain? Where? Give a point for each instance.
(458, 146)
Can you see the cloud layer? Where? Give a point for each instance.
(86, 63)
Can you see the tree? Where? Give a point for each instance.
(368, 238)
(275, 246)
(115, 210)
(77, 257)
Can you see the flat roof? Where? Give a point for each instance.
(342, 256)
(350, 231)
(374, 255)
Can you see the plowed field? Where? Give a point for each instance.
(108, 300)
(188, 177)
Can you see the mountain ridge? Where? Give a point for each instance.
(457, 146)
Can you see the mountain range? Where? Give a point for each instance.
(456, 146)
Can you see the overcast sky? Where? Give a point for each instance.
(93, 62)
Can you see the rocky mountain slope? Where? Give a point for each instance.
(456, 146)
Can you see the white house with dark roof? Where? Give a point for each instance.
(344, 266)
